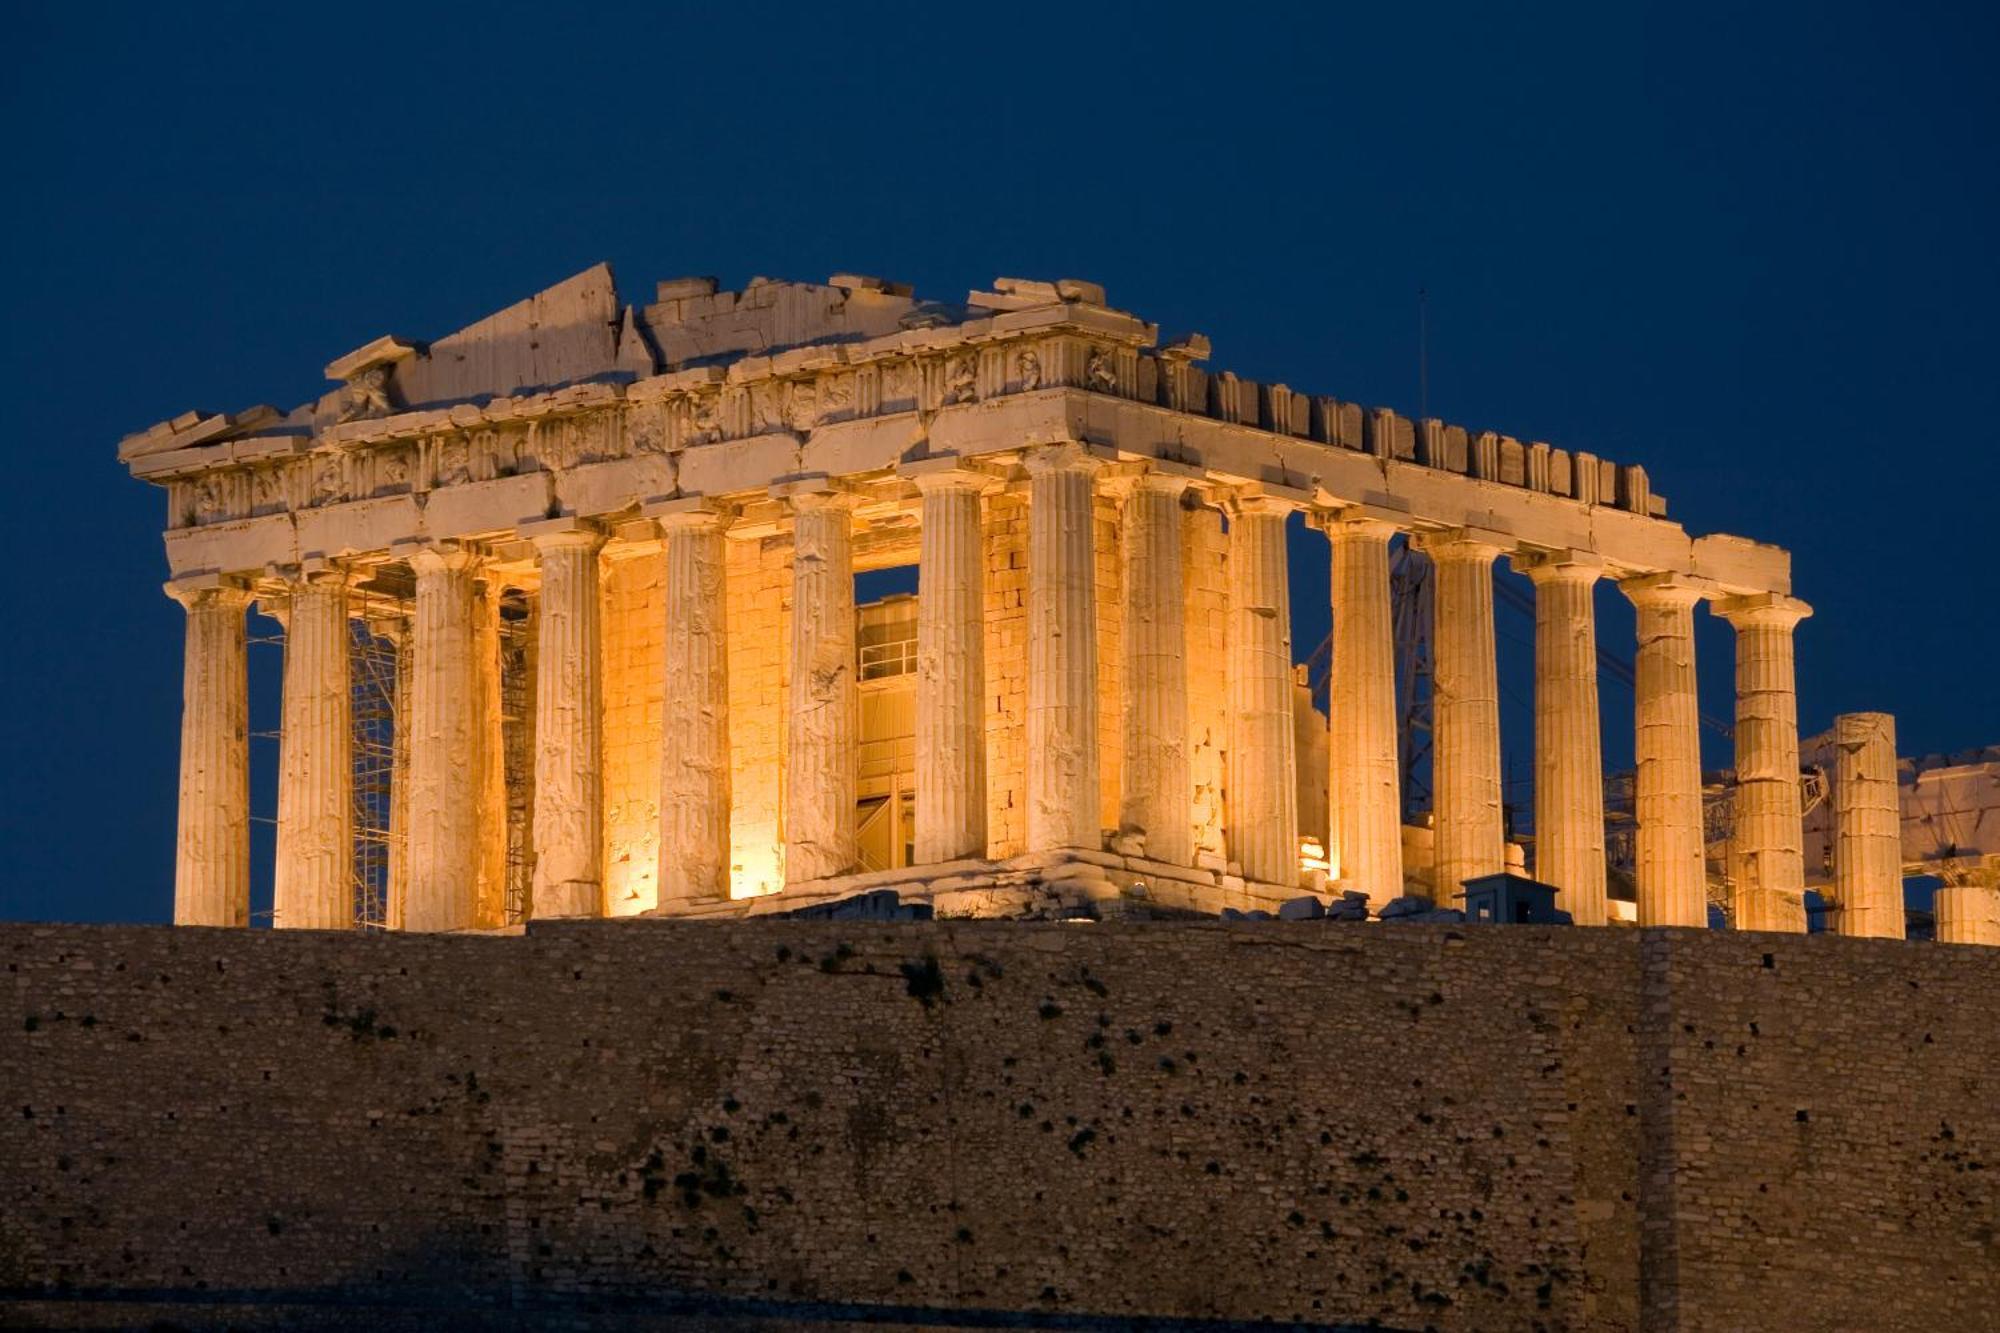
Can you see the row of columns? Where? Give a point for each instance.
(443, 714)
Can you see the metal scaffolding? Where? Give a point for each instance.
(375, 665)
(517, 743)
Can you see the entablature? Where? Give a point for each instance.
(1051, 368)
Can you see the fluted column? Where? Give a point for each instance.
(1364, 785)
(212, 840)
(1672, 857)
(1569, 754)
(1968, 911)
(694, 736)
(1062, 776)
(569, 722)
(1155, 788)
(1263, 792)
(1466, 817)
(1768, 856)
(490, 769)
(1867, 827)
(820, 775)
(445, 751)
(314, 885)
(951, 667)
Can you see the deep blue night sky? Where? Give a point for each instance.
(1753, 251)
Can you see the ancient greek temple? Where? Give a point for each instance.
(570, 629)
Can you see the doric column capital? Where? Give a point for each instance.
(1764, 610)
(1357, 523)
(563, 534)
(1157, 479)
(1068, 456)
(430, 557)
(1571, 567)
(210, 590)
(1467, 543)
(1664, 591)
(1264, 498)
(946, 472)
(1165, 477)
(328, 572)
(312, 572)
(814, 493)
(689, 512)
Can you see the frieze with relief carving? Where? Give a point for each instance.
(504, 435)
(366, 395)
(961, 383)
(1028, 370)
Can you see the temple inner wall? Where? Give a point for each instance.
(634, 655)
(1006, 674)
(759, 593)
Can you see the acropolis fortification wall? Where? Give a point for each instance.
(1456, 1128)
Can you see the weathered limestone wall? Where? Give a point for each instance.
(1006, 674)
(1309, 741)
(1456, 1128)
(1832, 1121)
(759, 618)
(634, 646)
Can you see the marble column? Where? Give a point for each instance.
(212, 840)
(1671, 844)
(694, 735)
(951, 667)
(314, 885)
(1155, 787)
(1968, 912)
(1767, 858)
(1062, 777)
(1364, 783)
(1467, 820)
(444, 850)
(1569, 753)
(569, 722)
(490, 906)
(1263, 792)
(820, 774)
(1867, 827)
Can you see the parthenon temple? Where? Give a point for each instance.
(570, 628)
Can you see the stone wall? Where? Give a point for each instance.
(634, 652)
(1006, 674)
(1422, 1126)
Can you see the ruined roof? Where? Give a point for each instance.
(581, 330)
